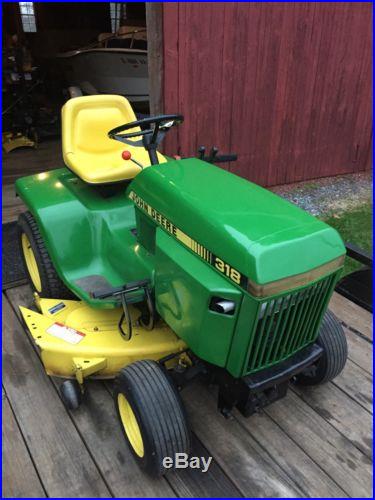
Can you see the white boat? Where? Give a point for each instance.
(113, 65)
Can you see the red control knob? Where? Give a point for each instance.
(126, 155)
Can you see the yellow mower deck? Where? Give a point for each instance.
(78, 341)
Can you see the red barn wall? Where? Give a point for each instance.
(286, 86)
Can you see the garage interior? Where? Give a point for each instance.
(40, 45)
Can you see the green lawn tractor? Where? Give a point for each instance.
(156, 271)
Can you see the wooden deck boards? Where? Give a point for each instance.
(315, 442)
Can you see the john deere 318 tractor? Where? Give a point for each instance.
(155, 271)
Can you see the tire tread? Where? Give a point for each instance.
(335, 352)
(160, 409)
(52, 286)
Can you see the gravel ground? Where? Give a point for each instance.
(330, 195)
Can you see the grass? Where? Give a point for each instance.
(354, 226)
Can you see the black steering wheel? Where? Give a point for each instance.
(151, 136)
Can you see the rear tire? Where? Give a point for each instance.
(335, 352)
(152, 415)
(39, 268)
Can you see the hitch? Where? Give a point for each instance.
(214, 157)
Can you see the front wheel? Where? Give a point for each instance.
(151, 414)
(335, 352)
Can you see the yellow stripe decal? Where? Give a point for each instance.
(196, 247)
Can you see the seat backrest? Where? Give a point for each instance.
(86, 122)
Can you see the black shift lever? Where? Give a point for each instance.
(201, 151)
(214, 151)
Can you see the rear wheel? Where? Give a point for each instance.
(40, 269)
(335, 352)
(151, 414)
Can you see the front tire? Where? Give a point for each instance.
(40, 270)
(151, 414)
(335, 352)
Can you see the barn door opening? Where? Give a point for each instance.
(129, 34)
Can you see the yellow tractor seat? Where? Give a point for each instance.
(87, 149)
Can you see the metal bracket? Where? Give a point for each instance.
(86, 367)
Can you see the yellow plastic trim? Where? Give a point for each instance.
(131, 427)
(87, 149)
(31, 263)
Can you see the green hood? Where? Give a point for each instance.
(256, 232)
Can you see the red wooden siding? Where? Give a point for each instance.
(287, 86)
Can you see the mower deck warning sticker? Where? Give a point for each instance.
(66, 333)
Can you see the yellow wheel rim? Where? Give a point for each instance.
(31, 264)
(130, 424)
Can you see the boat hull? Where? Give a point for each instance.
(108, 71)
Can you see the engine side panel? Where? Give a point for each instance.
(184, 287)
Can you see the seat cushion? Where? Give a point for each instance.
(87, 149)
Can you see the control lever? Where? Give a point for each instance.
(118, 290)
(121, 292)
(214, 151)
(201, 151)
